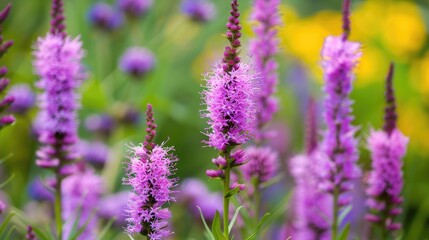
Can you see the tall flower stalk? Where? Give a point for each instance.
(6, 102)
(385, 182)
(229, 98)
(149, 174)
(339, 57)
(57, 62)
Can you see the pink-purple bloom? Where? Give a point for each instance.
(230, 105)
(385, 180)
(199, 10)
(105, 17)
(263, 49)
(114, 206)
(135, 8)
(24, 98)
(58, 65)
(137, 61)
(95, 153)
(262, 164)
(81, 193)
(339, 57)
(148, 173)
(57, 22)
(102, 124)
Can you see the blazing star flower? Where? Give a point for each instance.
(148, 173)
(262, 164)
(4, 82)
(137, 62)
(58, 65)
(263, 49)
(102, 124)
(24, 98)
(30, 233)
(114, 206)
(199, 10)
(385, 180)
(81, 195)
(230, 106)
(339, 57)
(94, 153)
(57, 14)
(105, 17)
(195, 194)
(135, 8)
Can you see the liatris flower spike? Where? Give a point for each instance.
(229, 98)
(312, 208)
(24, 97)
(385, 182)
(199, 10)
(339, 57)
(135, 8)
(57, 63)
(149, 174)
(137, 62)
(263, 49)
(4, 82)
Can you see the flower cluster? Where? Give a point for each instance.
(262, 164)
(148, 173)
(137, 62)
(135, 8)
(199, 10)
(58, 65)
(81, 193)
(263, 49)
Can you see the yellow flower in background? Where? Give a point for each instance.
(403, 30)
(372, 66)
(414, 122)
(420, 75)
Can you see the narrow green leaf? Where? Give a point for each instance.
(234, 218)
(7, 181)
(216, 228)
(10, 232)
(344, 213)
(40, 234)
(85, 225)
(130, 236)
(209, 232)
(344, 235)
(261, 222)
(5, 223)
(106, 229)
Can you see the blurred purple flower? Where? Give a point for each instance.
(199, 10)
(39, 192)
(105, 17)
(114, 206)
(195, 194)
(262, 164)
(137, 62)
(134, 8)
(57, 14)
(263, 48)
(24, 98)
(57, 62)
(95, 153)
(148, 173)
(81, 195)
(102, 124)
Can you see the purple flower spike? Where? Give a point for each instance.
(231, 59)
(346, 19)
(94, 153)
(137, 62)
(30, 233)
(135, 8)
(81, 195)
(4, 82)
(390, 116)
(199, 10)
(58, 65)
(148, 173)
(339, 58)
(263, 49)
(57, 15)
(105, 17)
(24, 98)
(230, 106)
(385, 181)
(262, 164)
(311, 129)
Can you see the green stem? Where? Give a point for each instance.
(226, 185)
(335, 214)
(58, 208)
(257, 202)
